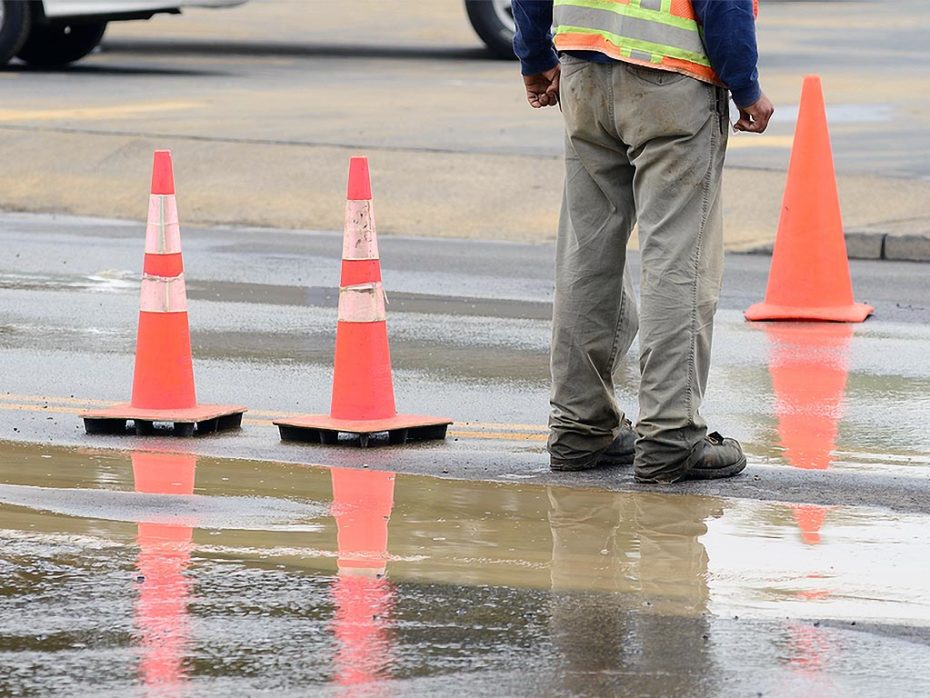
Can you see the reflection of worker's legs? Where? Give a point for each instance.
(594, 311)
(672, 559)
(591, 550)
(674, 596)
(588, 630)
(645, 569)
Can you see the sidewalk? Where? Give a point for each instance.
(470, 195)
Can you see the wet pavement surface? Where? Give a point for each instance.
(237, 562)
(167, 574)
(827, 413)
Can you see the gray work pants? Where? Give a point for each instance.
(641, 145)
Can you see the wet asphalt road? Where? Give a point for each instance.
(828, 414)
(234, 562)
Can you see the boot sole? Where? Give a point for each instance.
(716, 473)
(602, 461)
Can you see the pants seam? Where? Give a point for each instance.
(615, 343)
(610, 97)
(705, 197)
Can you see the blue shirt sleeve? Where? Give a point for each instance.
(730, 39)
(533, 41)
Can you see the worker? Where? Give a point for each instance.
(643, 86)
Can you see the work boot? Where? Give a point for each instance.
(620, 452)
(722, 458)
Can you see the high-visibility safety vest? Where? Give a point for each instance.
(662, 34)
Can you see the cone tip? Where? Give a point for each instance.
(162, 173)
(359, 181)
(811, 84)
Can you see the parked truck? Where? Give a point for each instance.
(54, 33)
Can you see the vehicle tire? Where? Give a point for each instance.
(15, 21)
(493, 22)
(59, 42)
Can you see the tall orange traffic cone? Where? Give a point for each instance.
(362, 596)
(809, 276)
(164, 555)
(363, 389)
(163, 383)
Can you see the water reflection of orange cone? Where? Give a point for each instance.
(163, 381)
(164, 555)
(810, 519)
(363, 389)
(809, 277)
(808, 365)
(362, 504)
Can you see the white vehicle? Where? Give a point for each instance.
(49, 33)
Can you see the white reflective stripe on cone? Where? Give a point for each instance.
(163, 232)
(359, 240)
(161, 294)
(362, 303)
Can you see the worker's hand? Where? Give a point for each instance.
(755, 117)
(542, 89)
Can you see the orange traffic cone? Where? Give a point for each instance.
(363, 389)
(164, 555)
(809, 276)
(163, 384)
(362, 596)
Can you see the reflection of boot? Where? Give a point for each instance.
(673, 562)
(585, 527)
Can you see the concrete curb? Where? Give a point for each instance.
(870, 244)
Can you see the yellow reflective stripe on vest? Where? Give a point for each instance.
(627, 46)
(660, 16)
(641, 31)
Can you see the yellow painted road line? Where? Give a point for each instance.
(115, 111)
(76, 406)
(497, 435)
(750, 141)
(10, 407)
(464, 427)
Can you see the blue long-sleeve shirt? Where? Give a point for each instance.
(729, 37)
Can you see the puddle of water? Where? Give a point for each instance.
(819, 396)
(173, 572)
(105, 281)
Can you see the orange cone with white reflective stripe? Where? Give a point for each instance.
(363, 388)
(163, 382)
